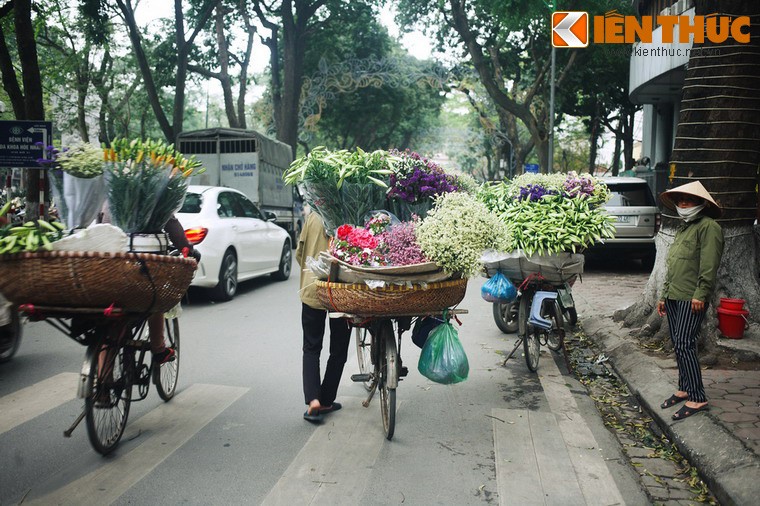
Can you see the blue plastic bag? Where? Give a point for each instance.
(443, 359)
(498, 289)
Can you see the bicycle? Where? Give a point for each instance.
(542, 324)
(115, 363)
(378, 350)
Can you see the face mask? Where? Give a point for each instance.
(687, 214)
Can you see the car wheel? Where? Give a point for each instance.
(228, 278)
(286, 261)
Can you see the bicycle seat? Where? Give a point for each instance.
(536, 319)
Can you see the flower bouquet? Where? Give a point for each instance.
(77, 184)
(551, 213)
(146, 181)
(415, 183)
(342, 186)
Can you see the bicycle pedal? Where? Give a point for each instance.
(360, 378)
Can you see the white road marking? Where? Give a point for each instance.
(532, 463)
(169, 426)
(594, 477)
(334, 465)
(34, 400)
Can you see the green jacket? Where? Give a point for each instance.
(312, 241)
(693, 261)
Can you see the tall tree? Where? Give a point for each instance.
(26, 97)
(183, 45)
(508, 45)
(290, 24)
(217, 63)
(718, 143)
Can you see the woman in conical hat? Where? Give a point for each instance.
(692, 265)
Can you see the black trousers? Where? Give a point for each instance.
(684, 330)
(313, 323)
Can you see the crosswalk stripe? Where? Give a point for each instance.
(532, 462)
(594, 477)
(334, 465)
(34, 400)
(169, 426)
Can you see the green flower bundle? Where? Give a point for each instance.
(551, 213)
(457, 231)
(342, 186)
(81, 160)
(76, 177)
(146, 181)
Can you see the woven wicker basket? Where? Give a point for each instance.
(134, 282)
(359, 299)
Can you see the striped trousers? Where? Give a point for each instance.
(684, 331)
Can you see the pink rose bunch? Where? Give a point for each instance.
(357, 246)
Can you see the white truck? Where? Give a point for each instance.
(250, 162)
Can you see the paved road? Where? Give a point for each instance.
(234, 433)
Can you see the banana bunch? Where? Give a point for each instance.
(31, 236)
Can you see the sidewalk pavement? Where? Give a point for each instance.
(724, 443)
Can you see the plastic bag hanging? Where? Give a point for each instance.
(443, 359)
(498, 289)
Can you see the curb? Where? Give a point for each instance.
(729, 468)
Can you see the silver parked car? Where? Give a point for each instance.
(637, 221)
(236, 240)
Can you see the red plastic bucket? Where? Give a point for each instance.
(732, 304)
(731, 323)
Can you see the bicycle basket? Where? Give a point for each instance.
(391, 300)
(134, 282)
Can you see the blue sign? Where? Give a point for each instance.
(17, 142)
(531, 168)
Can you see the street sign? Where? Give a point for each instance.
(531, 168)
(17, 142)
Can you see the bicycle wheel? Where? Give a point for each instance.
(388, 365)
(364, 353)
(555, 337)
(505, 316)
(572, 316)
(523, 312)
(165, 375)
(532, 348)
(528, 333)
(109, 395)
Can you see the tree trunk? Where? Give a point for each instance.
(718, 143)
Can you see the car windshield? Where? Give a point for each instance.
(630, 195)
(192, 204)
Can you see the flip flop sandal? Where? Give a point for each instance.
(335, 407)
(312, 417)
(686, 412)
(672, 401)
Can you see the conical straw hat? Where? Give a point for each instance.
(696, 189)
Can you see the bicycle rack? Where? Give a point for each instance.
(536, 319)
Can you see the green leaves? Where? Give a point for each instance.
(324, 166)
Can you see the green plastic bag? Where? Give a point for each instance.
(443, 359)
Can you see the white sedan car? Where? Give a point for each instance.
(236, 240)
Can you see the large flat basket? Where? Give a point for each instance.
(391, 300)
(133, 282)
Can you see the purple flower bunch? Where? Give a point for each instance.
(534, 192)
(49, 154)
(578, 186)
(417, 178)
(400, 244)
